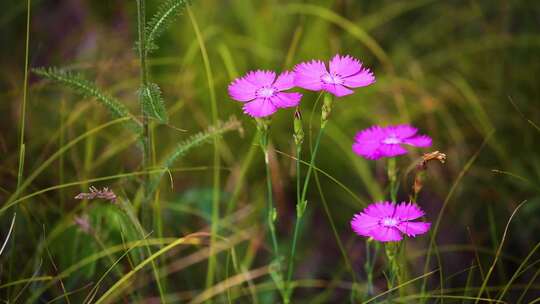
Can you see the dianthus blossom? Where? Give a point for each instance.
(345, 72)
(263, 94)
(387, 222)
(377, 142)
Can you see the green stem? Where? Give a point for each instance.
(146, 214)
(216, 172)
(141, 23)
(392, 177)
(271, 210)
(368, 267)
(300, 210)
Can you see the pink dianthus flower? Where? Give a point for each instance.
(345, 72)
(263, 94)
(387, 222)
(376, 142)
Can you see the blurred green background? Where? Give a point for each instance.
(463, 72)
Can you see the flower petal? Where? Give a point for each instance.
(308, 75)
(286, 100)
(368, 149)
(380, 210)
(261, 78)
(363, 224)
(386, 234)
(418, 141)
(242, 90)
(284, 81)
(401, 131)
(336, 89)
(344, 65)
(361, 79)
(413, 228)
(391, 150)
(408, 211)
(260, 107)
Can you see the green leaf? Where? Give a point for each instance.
(153, 103)
(194, 141)
(87, 89)
(165, 15)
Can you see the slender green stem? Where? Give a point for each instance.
(141, 22)
(216, 176)
(25, 98)
(368, 267)
(336, 236)
(300, 210)
(271, 211)
(147, 152)
(392, 177)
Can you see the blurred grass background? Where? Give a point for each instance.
(458, 70)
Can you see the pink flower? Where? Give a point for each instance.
(377, 142)
(387, 222)
(263, 93)
(346, 72)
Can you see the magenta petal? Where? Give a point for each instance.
(344, 65)
(242, 90)
(361, 79)
(307, 75)
(401, 131)
(259, 108)
(284, 81)
(390, 150)
(337, 90)
(413, 228)
(367, 149)
(374, 133)
(386, 234)
(380, 209)
(261, 78)
(408, 211)
(286, 100)
(363, 224)
(418, 141)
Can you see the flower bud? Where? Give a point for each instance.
(326, 109)
(298, 128)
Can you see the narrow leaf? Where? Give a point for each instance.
(153, 104)
(165, 15)
(87, 89)
(194, 141)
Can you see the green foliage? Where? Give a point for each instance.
(193, 141)
(152, 102)
(161, 20)
(87, 89)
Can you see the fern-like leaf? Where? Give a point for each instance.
(87, 89)
(165, 15)
(153, 104)
(194, 141)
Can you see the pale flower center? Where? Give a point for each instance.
(331, 79)
(389, 222)
(391, 140)
(266, 92)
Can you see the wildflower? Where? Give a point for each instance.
(95, 193)
(377, 142)
(263, 94)
(346, 72)
(387, 222)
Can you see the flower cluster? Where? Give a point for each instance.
(263, 93)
